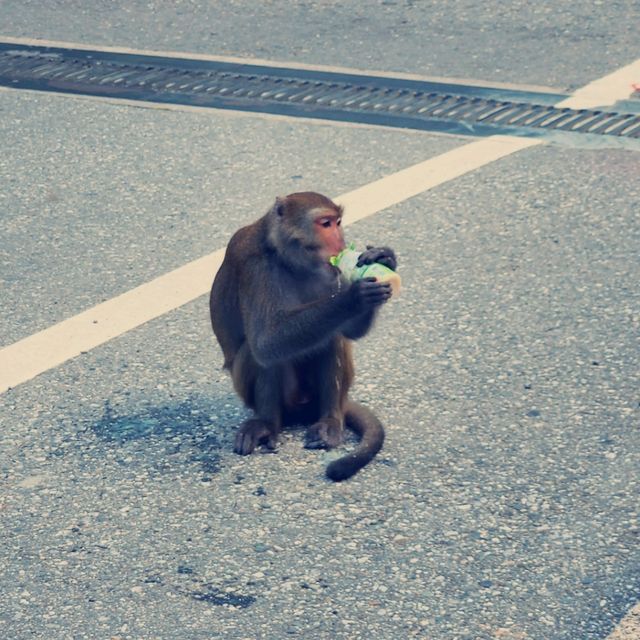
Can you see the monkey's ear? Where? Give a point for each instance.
(278, 207)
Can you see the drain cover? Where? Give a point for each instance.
(388, 101)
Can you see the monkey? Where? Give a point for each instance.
(285, 319)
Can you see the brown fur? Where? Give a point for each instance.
(284, 320)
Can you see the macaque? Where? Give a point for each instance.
(285, 319)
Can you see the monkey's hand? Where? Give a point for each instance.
(368, 293)
(381, 255)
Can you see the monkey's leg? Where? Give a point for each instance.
(252, 433)
(328, 432)
(265, 427)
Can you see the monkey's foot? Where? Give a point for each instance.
(252, 433)
(325, 434)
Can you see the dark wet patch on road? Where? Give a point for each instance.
(166, 421)
(183, 427)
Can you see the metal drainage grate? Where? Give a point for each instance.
(389, 101)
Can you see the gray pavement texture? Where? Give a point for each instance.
(152, 189)
(561, 44)
(504, 505)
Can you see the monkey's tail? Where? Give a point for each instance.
(364, 422)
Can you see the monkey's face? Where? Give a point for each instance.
(327, 225)
(306, 230)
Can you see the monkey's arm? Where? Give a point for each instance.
(279, 334)
(357, 328)
(282, 335)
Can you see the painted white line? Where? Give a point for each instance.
(605, 91)
(49, 348)
(629, 627)
(181, 55)
(409, 182)
(42, 351)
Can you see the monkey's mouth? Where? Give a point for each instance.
(330, 269)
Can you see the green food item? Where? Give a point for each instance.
(347, 260)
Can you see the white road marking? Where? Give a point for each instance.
(629, 627)
(605, 91)
(25, 359)
(49, 348)
(426, 175)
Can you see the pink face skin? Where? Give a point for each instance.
(328, 225)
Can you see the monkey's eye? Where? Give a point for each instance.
(339, 221)
(325, 222)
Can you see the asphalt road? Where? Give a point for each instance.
(505, 502)
(561, 44)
